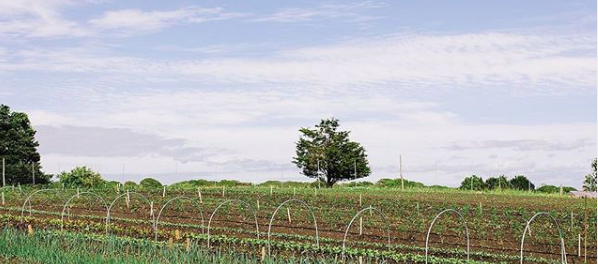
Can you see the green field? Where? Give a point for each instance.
(495, 221)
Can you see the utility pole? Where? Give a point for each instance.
(3, 172)
(33, 172)
(401, 172)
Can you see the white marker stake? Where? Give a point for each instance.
(223, 190)
(360, 218)
(289, 214)
(164, 191)
(360, 226)
(117, 188)
(271, 190)
(152, 208)
(579, 245)
(128, 200)
(78, 196)
(258, 205)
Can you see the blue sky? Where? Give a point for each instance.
(180, 90)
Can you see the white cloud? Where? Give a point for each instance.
(528, 62)
(348, 12)
(37, 18)
(134, 21)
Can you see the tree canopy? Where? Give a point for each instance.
(500, 182)
(19, 149)
(473, 182)
(589, 183)
(521, 182)
(328, 149)
(81, 176)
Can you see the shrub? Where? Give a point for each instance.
(81, 176)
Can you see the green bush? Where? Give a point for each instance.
(555, 189)
(81, 176)
(396, 183)
(150, 183)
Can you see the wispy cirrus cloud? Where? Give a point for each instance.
(353, 12)
(135, 21)
(532, 63)
(38, 19)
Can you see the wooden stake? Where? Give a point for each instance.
(258, 204)
(152, 208)
(30, 229)
(360, 259)
(78, 196)
(360, 201)
(177, 234)
(271, 190)
(263, 253)
(223, 188)
(128, 199)
(188, 244)
(117, 187)
(164, 191)
(170, 243)
(289, 214)
(401, 172)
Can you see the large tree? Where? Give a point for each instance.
(473, 182)
(500, 182)
(589, 183)
(19, 148)
(521, 182)
(330, 150)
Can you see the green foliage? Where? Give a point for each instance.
(396, 183)
(501, 182)
(339, 159)
(150, 183)
(589, 184)
(521, 182)
(81, 176)
(555, 189)
(19, 148)
(358, 184)
(473, 182)
(130, 185)
(285, 184)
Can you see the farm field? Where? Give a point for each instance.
(276, 225)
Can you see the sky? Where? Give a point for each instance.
(181, 90)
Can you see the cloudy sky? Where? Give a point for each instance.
(181, 90)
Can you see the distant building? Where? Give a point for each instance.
(579, 194)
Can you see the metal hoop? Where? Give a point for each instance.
(562, 238)
(28, 200)
(434, 221)
(168, 202)
(73, 197)
(114, 202)
(257, 228)
(370, 208)
(304, 204)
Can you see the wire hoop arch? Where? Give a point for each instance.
(561, 237)
(182, 198)
(434, 221)
(28, 200)
(73, 197)
(114, 202)
(257, 228)
(370, 208)
(303, 204)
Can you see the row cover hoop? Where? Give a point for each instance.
(562, 238)
(168, 202)
(114, 202)
(370, 208)
(73, 197)
(257, 228)
(302, 203)
(434, 221)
